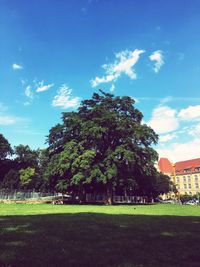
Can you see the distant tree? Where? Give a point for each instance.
(11, 180)
(156, 184)
(103, 145)
(5, 152)
(25, 156)
(42, 182)
(5, 148)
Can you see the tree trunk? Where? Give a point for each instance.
(109, 195)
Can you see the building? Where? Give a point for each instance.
(184, 174)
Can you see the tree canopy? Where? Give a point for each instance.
(103, 146)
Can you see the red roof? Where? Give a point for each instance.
(165, 166)
(188, 166)
(181, 167)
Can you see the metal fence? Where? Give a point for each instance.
(101, 198)
(23, 195)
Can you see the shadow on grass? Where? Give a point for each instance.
(94, 240)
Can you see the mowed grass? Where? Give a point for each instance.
(90, 236)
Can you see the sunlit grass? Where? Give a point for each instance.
(161, 209)
(98, 236)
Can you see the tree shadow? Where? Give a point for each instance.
(95, 239)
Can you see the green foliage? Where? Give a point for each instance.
(103, 144)
(61, 186)
(26, 176)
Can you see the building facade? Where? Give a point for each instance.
(184, 174)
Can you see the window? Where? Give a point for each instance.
(189, 179)
(189, 186)
(197, 169)
(196, 178)
(187, 170)
(184, 179)
(185, 186)
(196, 185)
(177, 179)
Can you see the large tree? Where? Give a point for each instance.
(103, 146)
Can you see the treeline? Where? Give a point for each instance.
(102, 148)
(21, 167)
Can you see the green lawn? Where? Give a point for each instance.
(94, 236)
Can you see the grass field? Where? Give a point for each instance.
(94, 236)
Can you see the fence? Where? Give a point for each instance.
(90, 198)
(23, 195)
(101, 198)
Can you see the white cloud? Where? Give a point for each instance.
(17, 66)
(125, 60)
(193, 130)
(104, 79)
(181, 151)
(190, 113)
(163, 120)
(41, 87)
(167, 137)
(63, 98)
(30, 89)
(8, 120)
(157, 56)
(112, 88)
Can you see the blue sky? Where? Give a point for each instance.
(55, 53)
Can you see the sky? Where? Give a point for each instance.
(53, 54)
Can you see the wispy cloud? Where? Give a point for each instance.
(167, 137)
(9, 120)
(124, 63)
(33, 87)
(181, 56)
(28, 131)
(3, 107)
(42, 87)
(158, 57)
(63, 99)
(112, 88)
(17, 66)
(193, 130)
(168, 99)
(29, 93)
